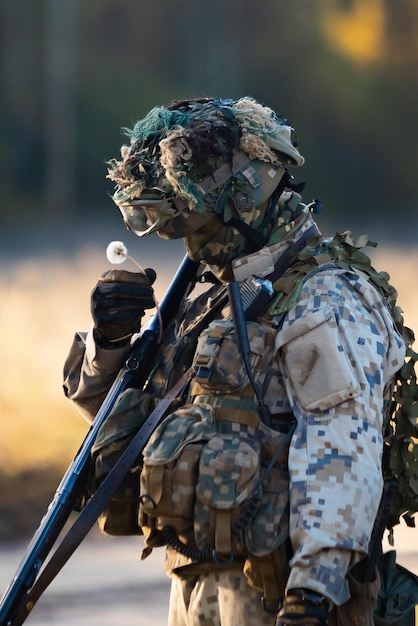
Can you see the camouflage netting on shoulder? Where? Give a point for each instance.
(401, 431)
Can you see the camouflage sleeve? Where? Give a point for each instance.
(338, 350)
(89, 372)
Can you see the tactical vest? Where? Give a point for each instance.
(215, 356)
(214, 484)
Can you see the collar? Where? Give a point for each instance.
(271, 261)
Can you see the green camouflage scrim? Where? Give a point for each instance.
(204, 170)
(174, 149)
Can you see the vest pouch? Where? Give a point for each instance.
(169, 473)
(267, 534)
(120, 517)
(267, 541)
(269, 575)
(229, 473)
(269, 527)
(218, 363)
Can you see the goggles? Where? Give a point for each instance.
(170, 217)
(149, 213)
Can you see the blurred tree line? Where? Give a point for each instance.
(343, 72)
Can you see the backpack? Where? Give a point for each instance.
(397, 602)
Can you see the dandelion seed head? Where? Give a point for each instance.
(116, 252)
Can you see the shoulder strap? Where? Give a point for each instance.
(288, 289)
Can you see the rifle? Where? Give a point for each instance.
(32, 576)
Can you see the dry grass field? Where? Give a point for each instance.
(43, 300)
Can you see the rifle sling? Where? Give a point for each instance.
(99, 500)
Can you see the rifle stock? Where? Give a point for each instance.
(137, 367)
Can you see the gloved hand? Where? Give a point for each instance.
(118, 303)
(302, 607)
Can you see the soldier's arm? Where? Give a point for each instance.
(89, 372)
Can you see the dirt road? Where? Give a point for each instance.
(106, 584)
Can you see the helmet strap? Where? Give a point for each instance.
(255, 237)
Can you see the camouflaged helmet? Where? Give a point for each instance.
(197, 160)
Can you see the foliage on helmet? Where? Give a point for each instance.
(173, 148)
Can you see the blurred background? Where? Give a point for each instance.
(343, 72)
(74, 73)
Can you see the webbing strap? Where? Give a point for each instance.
(268, 577)
(237, 416)
(223, 532)
(224, 173)
(284, 262)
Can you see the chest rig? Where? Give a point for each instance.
(214, 484)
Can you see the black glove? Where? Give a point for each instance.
(302, 607)
(118, 303)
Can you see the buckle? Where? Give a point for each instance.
(313, 597)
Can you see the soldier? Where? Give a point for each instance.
(322, 352)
